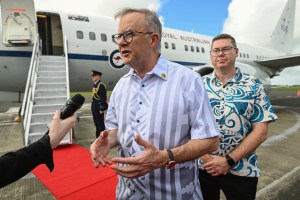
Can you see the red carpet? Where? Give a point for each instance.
(75, 177)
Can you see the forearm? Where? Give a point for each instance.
(113, 139)
(251, 142)
(195, 149)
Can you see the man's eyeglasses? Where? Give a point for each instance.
(225, 50)
(127, 36)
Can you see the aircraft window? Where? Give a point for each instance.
(92, 36)
(197, 49)
(192, 48)
(104, 52)
(241, 55)
(166, 45)
(186, 47)
(103, 37)
(173, 46)
(79, 34)
(244, 55)
(247, 55)
(202, 50)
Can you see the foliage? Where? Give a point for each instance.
(286, 88)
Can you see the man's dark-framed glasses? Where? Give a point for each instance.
(225, 50)
(127, 36)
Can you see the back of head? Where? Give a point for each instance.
(150, 16)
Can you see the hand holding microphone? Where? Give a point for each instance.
(15, 165)
(64, 119)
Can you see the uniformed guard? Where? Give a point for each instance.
(99, 103)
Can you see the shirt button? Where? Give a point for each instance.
(138, 121)
(133, 190)
(143, 85)
(140, 103)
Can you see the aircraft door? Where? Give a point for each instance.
(18, 22)
(50, 31)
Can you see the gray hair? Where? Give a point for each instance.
(150, 16)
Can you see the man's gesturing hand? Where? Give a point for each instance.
(150, 159)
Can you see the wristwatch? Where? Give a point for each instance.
(171, 162)
(230, 161)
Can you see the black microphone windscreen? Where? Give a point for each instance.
(78, 98)
(71, 106)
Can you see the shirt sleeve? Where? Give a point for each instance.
(203, 122)
(14, 165)
(263, 110)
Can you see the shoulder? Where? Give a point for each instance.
(182, 71)
(207, 77)
(250, 79)
(100, 86)
(101, 83)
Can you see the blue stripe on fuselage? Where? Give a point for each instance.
(15, 53)
(79, 57)
(87, 57)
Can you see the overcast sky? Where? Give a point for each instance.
(249, 22)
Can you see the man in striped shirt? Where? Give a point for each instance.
(159, 115)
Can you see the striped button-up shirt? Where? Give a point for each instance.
(168, 107)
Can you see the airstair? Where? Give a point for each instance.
(47, 90)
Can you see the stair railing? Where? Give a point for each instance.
(70, 133)
(30, 88)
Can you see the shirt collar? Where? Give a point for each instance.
(236, 77)
(96, 81)
(160, 69)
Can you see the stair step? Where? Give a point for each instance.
(49, 100)
(51, 80)
(38, 109)
(52, 62)
(54, 58)
(38, 127)
(51, 73)
(52, 68)
(53, 86)
(49, 93)
(42, 117)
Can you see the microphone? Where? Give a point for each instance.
(71, 106)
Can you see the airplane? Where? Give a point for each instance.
(90, 46)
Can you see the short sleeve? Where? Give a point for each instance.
(263, 110)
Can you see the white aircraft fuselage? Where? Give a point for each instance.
(90, 47)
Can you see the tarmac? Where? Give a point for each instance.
(279, 156)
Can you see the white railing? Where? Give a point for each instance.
(67, 66)
(30, 86)
(67, 79)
